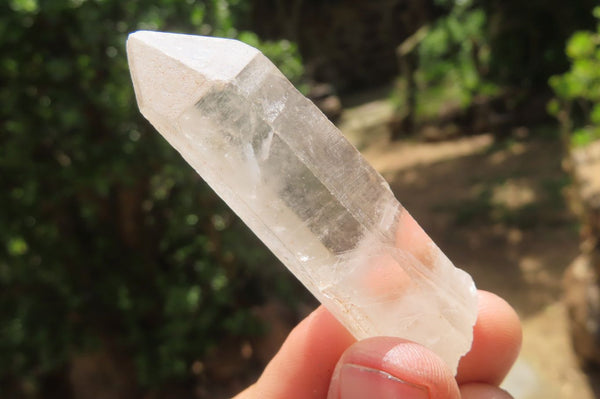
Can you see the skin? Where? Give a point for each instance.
(319, 350)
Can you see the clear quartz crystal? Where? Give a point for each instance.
(303, 189)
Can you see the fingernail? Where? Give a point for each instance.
(359, 382)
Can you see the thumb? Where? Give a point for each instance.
(385, 367)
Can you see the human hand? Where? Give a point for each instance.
(320, 360)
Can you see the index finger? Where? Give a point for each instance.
(496, 342)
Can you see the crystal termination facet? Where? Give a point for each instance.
(303, 189)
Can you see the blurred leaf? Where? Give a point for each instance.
(584, 136)
(595, 114)
(26, 6)
(553, 107)
(581, 44)
(17, 246)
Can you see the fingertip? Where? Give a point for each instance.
(497, 337)
(392, 367)
(483, 391)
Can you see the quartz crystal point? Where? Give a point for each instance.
(303, 189)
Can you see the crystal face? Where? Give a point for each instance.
(303, 189)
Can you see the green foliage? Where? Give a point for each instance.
(109, 239)
(452, 59)
(456, 46)
(577, 102)
(480, 47)
(526, 38)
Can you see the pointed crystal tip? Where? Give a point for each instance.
(169, 70)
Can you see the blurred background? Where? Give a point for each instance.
(123, 276)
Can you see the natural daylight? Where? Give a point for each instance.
(126, 274)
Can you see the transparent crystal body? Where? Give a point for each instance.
(303, 189)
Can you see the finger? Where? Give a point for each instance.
(483, 391)
(304, 365)
(496, 342)
(387, 367)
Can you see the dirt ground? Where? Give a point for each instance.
(497, 210)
